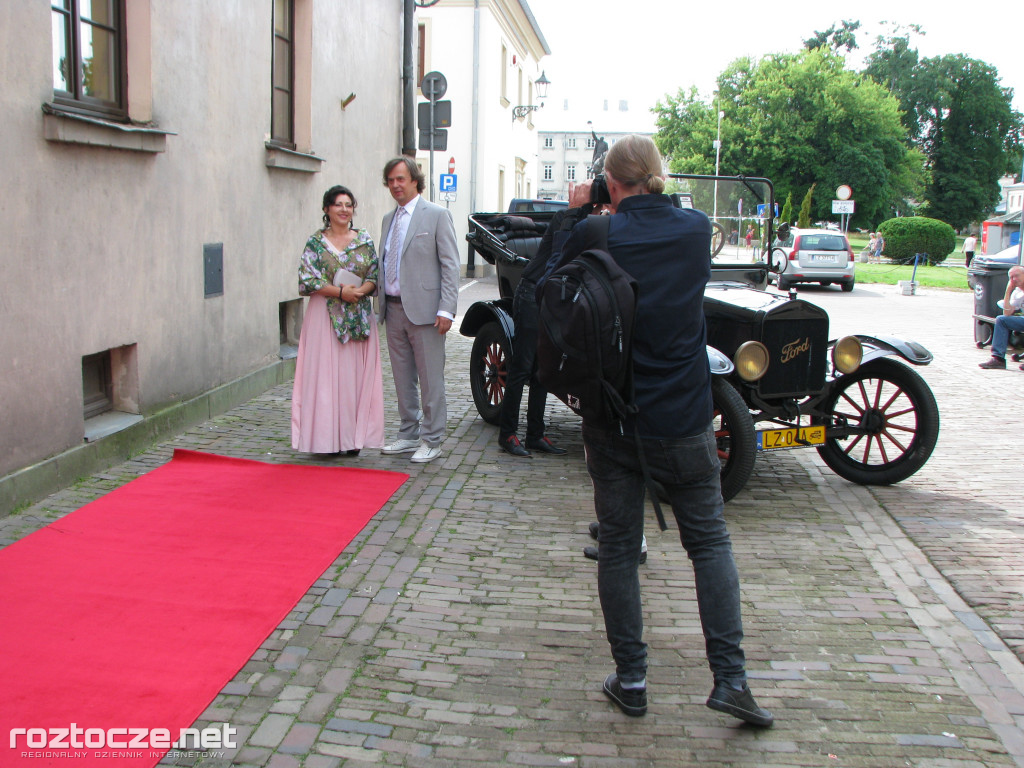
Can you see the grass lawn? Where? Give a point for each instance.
(952, 274)
(954, 277)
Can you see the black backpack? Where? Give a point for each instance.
(585, 334)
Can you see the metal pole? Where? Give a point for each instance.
(408, 86)
(718, 152)
(433, 101)
(1020, 226)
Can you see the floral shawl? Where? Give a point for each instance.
(318, 266)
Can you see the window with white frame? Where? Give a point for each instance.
(570, 172)
(570, 143)
(549, 171)
(590, 143)
(549, 142)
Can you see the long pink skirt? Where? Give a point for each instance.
(338, 397)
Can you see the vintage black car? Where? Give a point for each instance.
(779, 381)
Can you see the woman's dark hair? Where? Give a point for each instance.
(410, 165)
(331, 195)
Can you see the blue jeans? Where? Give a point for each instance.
(688, 469)
(1001, 334)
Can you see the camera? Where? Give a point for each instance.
(599, 191)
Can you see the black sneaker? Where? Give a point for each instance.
(595, 527)
(632, 701)
(741, 704)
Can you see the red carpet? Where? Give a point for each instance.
(134, 611)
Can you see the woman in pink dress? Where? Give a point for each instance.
(338, 397)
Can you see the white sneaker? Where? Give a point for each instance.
(426, 453)
(401, 446)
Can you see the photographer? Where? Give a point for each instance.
(667, 250)
(524, 349)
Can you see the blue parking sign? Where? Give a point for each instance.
(449, 182)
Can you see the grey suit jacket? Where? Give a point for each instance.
(429, 273)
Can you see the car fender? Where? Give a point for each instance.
(884, 346)
(483, 312)
(720, 364)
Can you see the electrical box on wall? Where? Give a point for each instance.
(213, 269)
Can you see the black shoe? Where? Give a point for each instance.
(994, 363)
(512, 445)
(595, 531)
(632, 701)
(741, 704)
(591, 552)
(352, 452)
(544, 445)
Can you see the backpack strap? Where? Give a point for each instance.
(597, 238)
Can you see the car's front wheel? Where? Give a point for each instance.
(734, 434)
(488, 371)
(891, 422)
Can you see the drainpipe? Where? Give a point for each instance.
(408, 84)
(475, 127)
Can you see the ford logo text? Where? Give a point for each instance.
(794, 348)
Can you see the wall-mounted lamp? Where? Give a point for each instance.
(521, 111)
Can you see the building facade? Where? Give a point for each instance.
(164, 163)
(567, 157)
(489, 52)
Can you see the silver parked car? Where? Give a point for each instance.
(813, 256)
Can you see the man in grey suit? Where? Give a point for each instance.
(419, 272)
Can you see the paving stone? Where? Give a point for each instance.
(884, 625)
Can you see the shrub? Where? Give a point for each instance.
(804, 219)
(910, 235)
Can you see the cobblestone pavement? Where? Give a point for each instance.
(461, 627)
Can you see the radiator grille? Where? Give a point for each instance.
(797, 348)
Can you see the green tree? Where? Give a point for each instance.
(834, 39)
(797, 119)
(787, 210)
(960, 117)
(970, 140)
(804, 219)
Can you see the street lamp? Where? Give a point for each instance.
(718, 153)
(521, 111)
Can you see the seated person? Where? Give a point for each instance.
(1009, 321)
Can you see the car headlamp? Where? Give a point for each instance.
(751, 360)
(847, 354)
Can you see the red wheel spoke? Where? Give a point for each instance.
(892, 439)
(901, 428)
(904, 412)
(853, 444)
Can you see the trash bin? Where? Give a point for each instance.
(988, 277)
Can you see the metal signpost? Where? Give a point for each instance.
(438, 117)
(843, 206)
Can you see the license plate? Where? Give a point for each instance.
(818, 258)
(776, 439)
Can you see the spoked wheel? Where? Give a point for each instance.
(717, 238)
(734, 433)
(488, 371)
(892, 421)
